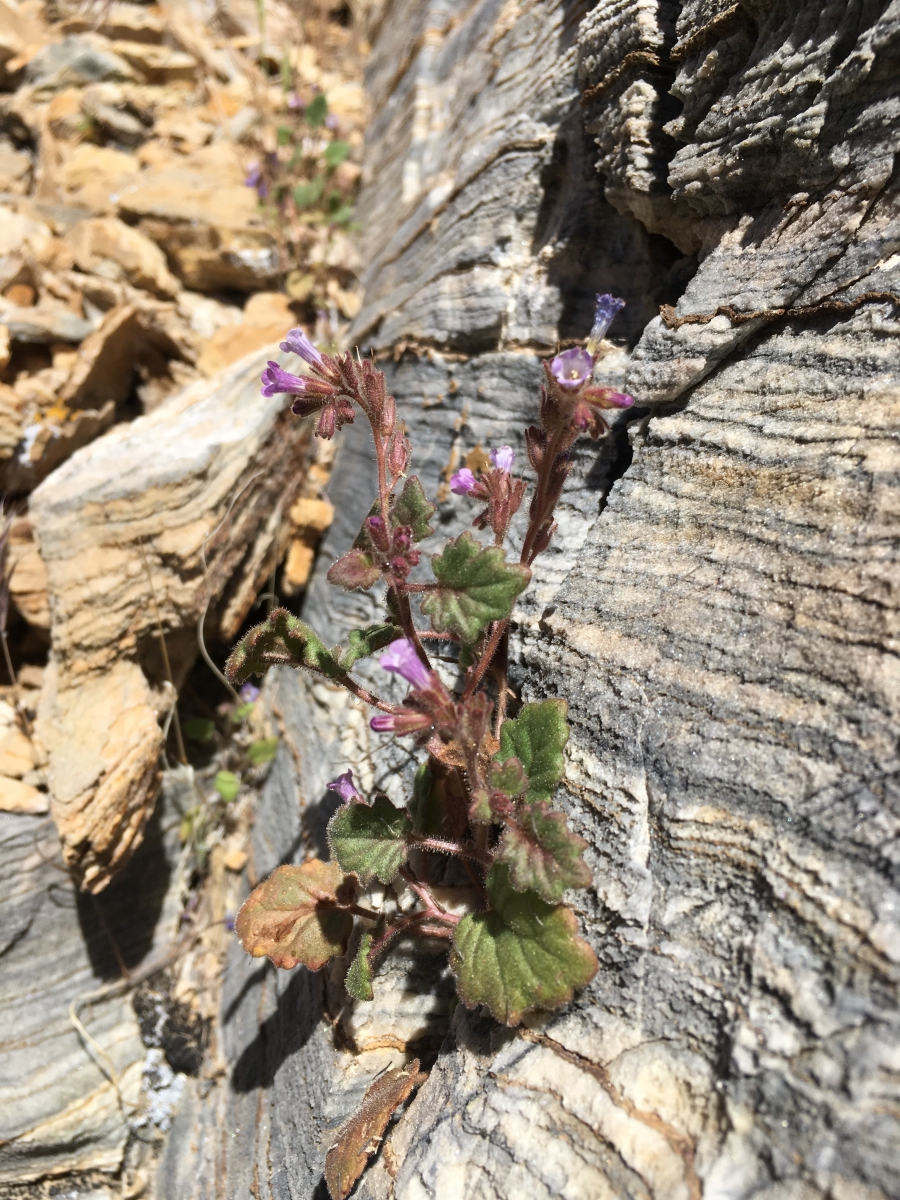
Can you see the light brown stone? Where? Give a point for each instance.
(28, 582)
(15, 170)
(107, 246)
(94, 176)
(267, 309)
(17, 755)
(11, 416)
(105, 364)
(4, 346)
(166, 483)
(50, 442)
(158, 64)
(19, 797)
(64, 116)
(231, 343)
(311, 514)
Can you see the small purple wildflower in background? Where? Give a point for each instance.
(296, 342)
(503, 458)
(275, 381)
(463, 482)
(249, 693)
(572, 368)
(344, 786)
(229, 922)
(254, 178)
(604, 314)
(295, 102)
(331, 121)
(401, 657)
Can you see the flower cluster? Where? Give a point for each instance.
(503, 494)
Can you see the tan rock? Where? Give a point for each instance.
(11, 420)
(106, 357)
(4, 349)
(231, 343)
(126, 22)
(107, 246)
(21, 234)
(19, 797)
(298, 565)
(235, 860)
(158, 64)
(47, 443)
(266, 309)
(45, 323)
(15, 170)
(169, 479)
(22, 295)
(313, 515)
(64, 116)
(28, 582)
(17, 755)
(94, 176)
(206, 315)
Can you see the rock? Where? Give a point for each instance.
(64, 116)
(171, 479)
(11, 420)
(109, 247)
(19, 797)
(113, 120)
(95, 176)
(126, 22)
(267, 317)
(4, 347)
(206, 221)
(75, 62)
(17, 755)
(206, 315)
(16, 168)
(48, 442)
(47, 322)
(159, 65)
(28, 581)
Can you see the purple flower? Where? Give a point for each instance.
(249, 693)
(604, 314)
(229, 922)
(344, 786)
(401, 657)
(276, 381)
(463, 482)
(572, 368)
(254, 178)
(503, 458)
(296, 342)
(384, 723)
(619, 400)
(295, 102)
(331, 121)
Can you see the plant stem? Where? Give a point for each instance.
(362, 694)
(439, 847)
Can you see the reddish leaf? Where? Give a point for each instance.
(294, 916)
(356, 571)
(542, 853)
(361, 1134)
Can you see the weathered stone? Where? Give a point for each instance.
(47, 322)
(109, 247)
(28, 585)
(46, 443)
(75, 62)
(94, 176)
(15, 170)
(158, 64)
(127, 525)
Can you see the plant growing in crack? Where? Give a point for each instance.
(483, 792)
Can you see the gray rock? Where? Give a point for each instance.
(74, 62)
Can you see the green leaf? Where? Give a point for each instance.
(355, 571)
(342, 215)
(509, 777)
(295, 915)
(477, 586)
(285, 639)
(425, 808)
(524, 955)
(370, 841)
(364, 642)
(308, 194)
(412, 508)
(263, 751)
(227, 784)
(335, 153)
(358, 980)
(283, 135)
(316, 111)
(537, 737)
(198, 729)
(543, 854)
(242, 711)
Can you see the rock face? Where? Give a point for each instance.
(720, 610)
(162, 519)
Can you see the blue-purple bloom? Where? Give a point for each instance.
(604, 314)
(573, 368)
(331, 121)
(463, 482)
(254, 178)
(296, 342)
(503, 458)
(275, 381)
(249, 693)
(344, 786)
(384, 723)
(295, 102)
(402, 658)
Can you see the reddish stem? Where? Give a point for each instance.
(362, 694)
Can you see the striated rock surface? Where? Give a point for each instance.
(720, 609)
(156, 522)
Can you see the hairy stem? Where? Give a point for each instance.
(362, 694)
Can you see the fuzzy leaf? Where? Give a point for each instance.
(363, 642)
(227, 784)
(263, 751)
(543, 854)
(358, 980)
(523, 955)
(509, 777)
(537, 737)
(355, 571)
(477, 586)
(283, 638)
(412, 508)
(361, 1133)
(293, 917)
(370, 841)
